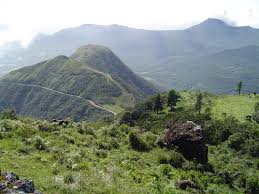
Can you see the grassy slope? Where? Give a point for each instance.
(94, 170)
(237, 106)
(231, 105)
(101, 160)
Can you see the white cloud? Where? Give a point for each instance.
(28, 17)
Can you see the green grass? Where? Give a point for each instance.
(234, 105)
(114, 108)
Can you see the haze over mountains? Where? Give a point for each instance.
(164, 57)
(78, 86)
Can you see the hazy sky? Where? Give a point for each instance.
(23, 19)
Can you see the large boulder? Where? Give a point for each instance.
(187, 137)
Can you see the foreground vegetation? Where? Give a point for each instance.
(126, 156)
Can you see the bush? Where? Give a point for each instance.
(39, 143)
(137, 143)
(236, 141)
(173, 158)
(256, 117)
(252, 147)
(44, 126)
(85, 130)
(124, 128)
(69, 179)
(252, 185)
(101, 153)
(218, 131)
(8, 114)
(256, 107)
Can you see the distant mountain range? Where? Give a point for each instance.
(80, 87)
(158, 55)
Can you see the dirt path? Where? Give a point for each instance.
(71, 95)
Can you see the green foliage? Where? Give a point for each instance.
(173, 158)
(218, 131)
(198, 104)
(39, 143)
(60, 87)
(114, 157)
(236, 141)
(137, 143)
(8, 113)
(239, 87)
(158, 103)
(252, 185)
(252, 147)
(172, 99)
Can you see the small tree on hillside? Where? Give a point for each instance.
(239, 87)
(172, 99)
(158, 105)
(198, 104)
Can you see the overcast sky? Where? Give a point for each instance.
(23, 19)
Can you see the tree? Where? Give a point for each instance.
(239, 87)
(158, 103)
(8, 113)
(198, 104)
(172, 99)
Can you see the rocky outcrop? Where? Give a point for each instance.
(11, 184)
(187, 137)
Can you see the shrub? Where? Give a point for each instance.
(252, 147)
(44, 126)
(236, 141)
(218, 131)
(252, 185)
(114, 143)
(84, 129)
(256, 117)
(124, 128)
(8, 113)
(137, 143)
(173, 158)
(256, 107)
(39, 143)
(166, 170)
(69, 179)
(150, 139)
(101, 153)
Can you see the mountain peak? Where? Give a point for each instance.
(210, 23)
(91, 50)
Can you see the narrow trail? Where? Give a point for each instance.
(71, 95)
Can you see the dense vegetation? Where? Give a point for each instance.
(93, 73)
(125, 155)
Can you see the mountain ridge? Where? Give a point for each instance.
(142, 50)
(75, 78)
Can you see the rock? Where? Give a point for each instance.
(26, 186)
(184, 184)
(3, 187)
(11, 184)
(10, 176)
(187, 137)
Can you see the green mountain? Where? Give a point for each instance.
(77, 87)
(145, 51)
(218, 73)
